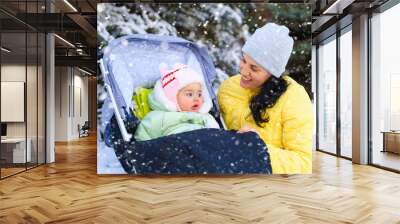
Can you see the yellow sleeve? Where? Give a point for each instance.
(297, 120)
(232, 101)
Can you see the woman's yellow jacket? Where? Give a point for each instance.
(287, 134)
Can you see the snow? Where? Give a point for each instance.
(115, 20)
(107, 162)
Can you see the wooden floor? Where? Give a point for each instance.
(70, 191)
(10, 171)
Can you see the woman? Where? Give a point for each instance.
(276, 107)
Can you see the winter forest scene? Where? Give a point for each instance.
(221, 29)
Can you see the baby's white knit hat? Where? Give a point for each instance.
(172, 80)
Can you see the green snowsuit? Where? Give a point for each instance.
(161, 122)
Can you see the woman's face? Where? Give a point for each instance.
(252, 75)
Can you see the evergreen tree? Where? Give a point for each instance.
(221, 28)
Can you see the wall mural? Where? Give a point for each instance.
(206, 88)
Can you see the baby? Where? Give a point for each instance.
(180, 102)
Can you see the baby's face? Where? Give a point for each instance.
(190, 98)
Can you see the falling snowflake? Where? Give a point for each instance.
(124, 42)
(164, 46)
(100, 7)
(112, 57)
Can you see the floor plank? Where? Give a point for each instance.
(70, 191)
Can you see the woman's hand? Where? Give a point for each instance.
(246, 129)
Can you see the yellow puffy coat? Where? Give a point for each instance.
(288, 134)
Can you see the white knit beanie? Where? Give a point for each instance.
(270, 46)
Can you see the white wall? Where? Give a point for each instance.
(61, 103)
(70, 84)
(33, 126)
(12, 73)
(80, 94)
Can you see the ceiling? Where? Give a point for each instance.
(75, 22)
(332, 15)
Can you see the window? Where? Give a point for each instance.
(385, 89)
(327, 96)
(22, 75)
(346, 75)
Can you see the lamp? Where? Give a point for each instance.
(70, 5)
(5, 49)
(337, 7)
(84, 71)
(64, 40)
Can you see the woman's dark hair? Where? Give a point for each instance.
(269, 94)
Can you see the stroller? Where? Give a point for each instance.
(133, 61)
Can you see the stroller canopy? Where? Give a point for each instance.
(133, 61)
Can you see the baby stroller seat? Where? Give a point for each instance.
(133, 61)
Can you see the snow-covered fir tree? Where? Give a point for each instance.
(221, 28)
